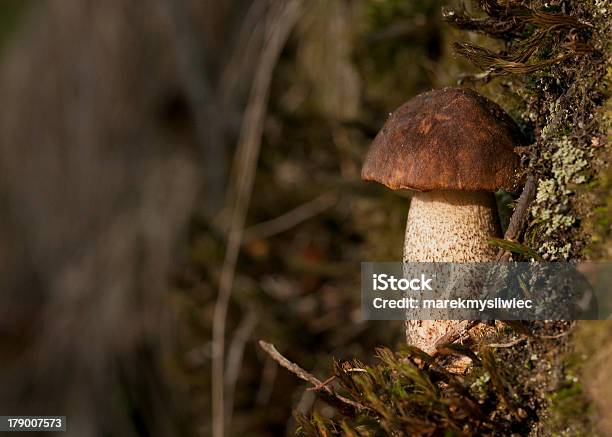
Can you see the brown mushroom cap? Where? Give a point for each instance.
(448, 139)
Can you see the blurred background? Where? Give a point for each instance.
(179, 179)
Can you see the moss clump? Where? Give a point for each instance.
(570, 410)
(508, 390)
(406, 393)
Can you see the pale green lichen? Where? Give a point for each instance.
(546, 189)
(568, 164)
(553, 252)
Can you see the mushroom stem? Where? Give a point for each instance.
(447, 226)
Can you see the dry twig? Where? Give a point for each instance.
(303, 374)
(266, 384)
(234, 360)
(537, 337)
(519, 216)
(323, 384)
(454, 335)
(560, 335)
(509, 344)
(291, 218)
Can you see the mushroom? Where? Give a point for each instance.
(453, 148)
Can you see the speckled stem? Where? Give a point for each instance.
(447, 226)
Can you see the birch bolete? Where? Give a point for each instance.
(453, 148)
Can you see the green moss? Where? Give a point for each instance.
(570, 410)
(407, 393)
(516, 389)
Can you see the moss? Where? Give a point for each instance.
(570, 410)
(512, 390)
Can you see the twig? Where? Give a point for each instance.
(291, 218)
(454, 335)
(244, 54)
(536, 337)
(292, 367)
(519, 216)
(323, 384)
(509, 344)
(303, 374)
(266, 385)
(280, 25)
(554, 337)
(234, 361)
(240, 66)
